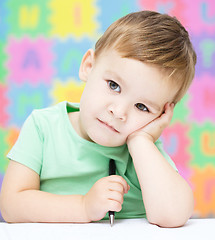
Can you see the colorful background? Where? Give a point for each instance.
(41, 46)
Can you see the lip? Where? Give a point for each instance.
(108, 126)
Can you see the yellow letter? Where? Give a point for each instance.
(28, 16)
(206, 143)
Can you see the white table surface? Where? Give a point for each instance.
(195, 229)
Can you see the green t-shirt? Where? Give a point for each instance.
(69, 164)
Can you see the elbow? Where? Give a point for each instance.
(169, 222)
(173, 218)
(176, 214)
(6, 212)
(3, 210)
(7, 216)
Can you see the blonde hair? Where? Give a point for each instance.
(153, 38)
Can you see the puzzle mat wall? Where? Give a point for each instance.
(41, 46)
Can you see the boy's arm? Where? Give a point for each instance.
(22, 201)
(167, 197)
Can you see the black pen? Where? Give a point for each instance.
(112, 171)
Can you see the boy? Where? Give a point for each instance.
(142, 66)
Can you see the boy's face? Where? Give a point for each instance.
(121, 96)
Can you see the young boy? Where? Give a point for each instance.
(141, 67)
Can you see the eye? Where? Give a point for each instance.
(141, 107)
(114, 86)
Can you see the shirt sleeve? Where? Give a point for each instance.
(29, 145)
(159, 145)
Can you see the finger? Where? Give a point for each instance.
(116, 196)
(115, 186)
(121, 180)
(114, 205)
(169, 107)
(168, 113)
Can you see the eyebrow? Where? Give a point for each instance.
(146, 101)
(115, 75)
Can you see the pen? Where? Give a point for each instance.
(112, 171)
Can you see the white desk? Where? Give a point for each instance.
(132, 229)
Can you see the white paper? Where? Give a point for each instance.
(131, 229)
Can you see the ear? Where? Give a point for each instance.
(86, 65)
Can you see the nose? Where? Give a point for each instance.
(118, 111)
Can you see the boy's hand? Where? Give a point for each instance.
(105, 195)
(153, 130)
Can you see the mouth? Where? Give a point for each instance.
(108, 126)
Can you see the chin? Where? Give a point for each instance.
(110, 144)
(107, 142)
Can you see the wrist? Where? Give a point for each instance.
(134, 138)
(139, 142)
(84, 207)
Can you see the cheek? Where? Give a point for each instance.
(138, 122)
(93, 95)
